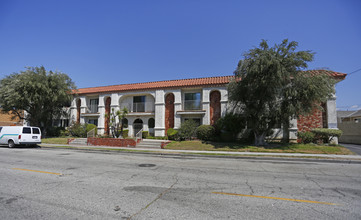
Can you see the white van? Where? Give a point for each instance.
(18, 135)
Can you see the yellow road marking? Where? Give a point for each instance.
(38, 171)
(268, 197)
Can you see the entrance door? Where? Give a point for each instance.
(137, 125)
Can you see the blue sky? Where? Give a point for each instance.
(99, 43)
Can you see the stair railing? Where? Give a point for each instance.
(91, 133)
(139, 135)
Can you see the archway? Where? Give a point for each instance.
(215, 106)
(137, 126)
(169, 111)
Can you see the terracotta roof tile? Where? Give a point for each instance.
(208, 81)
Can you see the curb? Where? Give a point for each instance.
(289, 158)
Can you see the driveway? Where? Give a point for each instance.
(353, 147)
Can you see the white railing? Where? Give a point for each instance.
(139, 135)
(138, 106)
(91, 133)
(192, 105)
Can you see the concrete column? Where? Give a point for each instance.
(177, 107)
(83, 108)
(206, 105)
(293, 129)
(159, 113)
(332, 116)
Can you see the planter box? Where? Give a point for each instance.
(114, 142)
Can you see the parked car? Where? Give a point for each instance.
(19, 135)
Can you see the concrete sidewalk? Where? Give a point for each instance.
(226, 153)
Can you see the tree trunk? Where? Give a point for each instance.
(286, 131)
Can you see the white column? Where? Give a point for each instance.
(83, 108)
(177, 107)
(159, 113)
(332, 116)
(206, 106)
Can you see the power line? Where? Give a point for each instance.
(354, 72)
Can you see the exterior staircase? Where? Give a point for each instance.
(79, 141)
(150, 143)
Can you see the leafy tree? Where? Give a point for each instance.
(270, 87)
(41, 94)
(117, 119)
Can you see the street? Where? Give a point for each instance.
(41, 183)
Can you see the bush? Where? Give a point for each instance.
(90, 127)
(54, 131)
(306, 137)
(125, 133)
(232, 124)
(205, 132)
(172, 133)
(145, 134)
(78, 130)
(187, 130)
(326, 134)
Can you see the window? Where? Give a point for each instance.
(151, 123)
(26, 130)
(93, 121)
(94, 105)
(139, 104)
(36, 131)
(192, 101)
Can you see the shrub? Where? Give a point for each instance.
(90, 127)
(205, 132)
(326, 134)
(187, 130)
(125, 133)
(172, 133)
(145, 134)
(78, 130)
(232, 124)
(306, 137)
(54, 131)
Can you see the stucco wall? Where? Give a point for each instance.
(351, 132)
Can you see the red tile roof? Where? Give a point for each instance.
(196, 82)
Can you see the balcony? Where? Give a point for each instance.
(192, 105)
(138, 107)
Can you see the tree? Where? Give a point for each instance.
(270, 87)
(41, 94)
(116, 122)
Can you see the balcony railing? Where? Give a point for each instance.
(93, 109)
(138, 106)
(192, 105)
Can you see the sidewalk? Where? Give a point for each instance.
(197, 152)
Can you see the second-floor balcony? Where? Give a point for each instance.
(192, 105)
(138, 106)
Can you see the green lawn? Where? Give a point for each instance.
(272, 148)
(54, 140)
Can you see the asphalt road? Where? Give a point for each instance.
(353, 147)
(69, 184)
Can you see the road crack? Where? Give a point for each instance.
(154, 200)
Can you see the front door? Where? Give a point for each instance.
(137, 126)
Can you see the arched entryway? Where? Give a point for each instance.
(78, 104)
(169, 111)
(107, 113)
(215, 106)
(137, 125)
